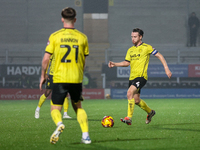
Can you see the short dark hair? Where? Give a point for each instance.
(139, 31)
(68, 13)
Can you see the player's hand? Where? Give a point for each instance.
(46, 76)
(168, 73)
(42, 81)
(111, 64)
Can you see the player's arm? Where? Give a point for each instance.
(119, 64)
(162, 59)
(84, 63)
(45, 63)
(86, 50)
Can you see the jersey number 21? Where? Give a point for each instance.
(64, 59)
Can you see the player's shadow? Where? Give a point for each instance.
(120, 140)
(176, 124)
(163, 127)
(92, 147)
(88, 119)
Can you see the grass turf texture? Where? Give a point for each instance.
(176, 125)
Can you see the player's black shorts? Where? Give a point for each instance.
(138, 82)
(60, 91)
(49, 82)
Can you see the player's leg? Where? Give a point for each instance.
(58, 95)
(142, 104)
(56, 113)
(134, 86)
(131, 104)
(66, 106)
(57, 118)
(42, 99)
(131, 101)
(44, 96)
(75, 93)
(83, 121)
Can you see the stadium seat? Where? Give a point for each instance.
(125, 85)
(155, 85)
(16, 85)
(36, 85)
(165, 85)
(8, 85)
(147, 85)
(118, 85)
(174, 85)
(194, 85)
(184, 85)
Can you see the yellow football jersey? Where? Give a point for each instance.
(139, 60)
(69, 48)
(50, 66)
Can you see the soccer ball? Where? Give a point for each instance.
(107, 121)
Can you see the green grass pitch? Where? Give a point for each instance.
(176, 125)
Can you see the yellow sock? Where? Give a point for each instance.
(131, 104)
(42, 100)
(66, 104)
(144, 106)
(56, 116)
(82, 119)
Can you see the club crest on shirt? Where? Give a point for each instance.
(48, 42)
